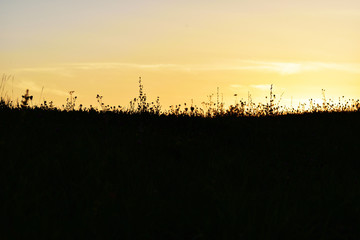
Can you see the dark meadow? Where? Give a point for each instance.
(143, 173)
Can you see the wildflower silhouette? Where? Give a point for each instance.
(26, 98)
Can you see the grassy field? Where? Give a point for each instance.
(107, 175)
(248, 172)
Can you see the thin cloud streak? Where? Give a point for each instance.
(286, 68)
(117, 65)
(283, 68)
(39, 69)
(261, 86)
(62, 71)
(36, 88)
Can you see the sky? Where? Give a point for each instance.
(183, 50)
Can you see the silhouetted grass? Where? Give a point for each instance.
(144, 174)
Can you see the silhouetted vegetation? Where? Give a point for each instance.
(252, 171)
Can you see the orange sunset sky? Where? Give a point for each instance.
(183, 50)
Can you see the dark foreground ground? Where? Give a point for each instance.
(104, 176)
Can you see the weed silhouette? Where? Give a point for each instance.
(249, 171)
(25, 99)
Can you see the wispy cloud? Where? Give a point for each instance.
(39, 69)
(261, 86)
(244, 65)
(286, 68)
(58, 70)
(32, 86)
(117, 65)
(283, 68)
